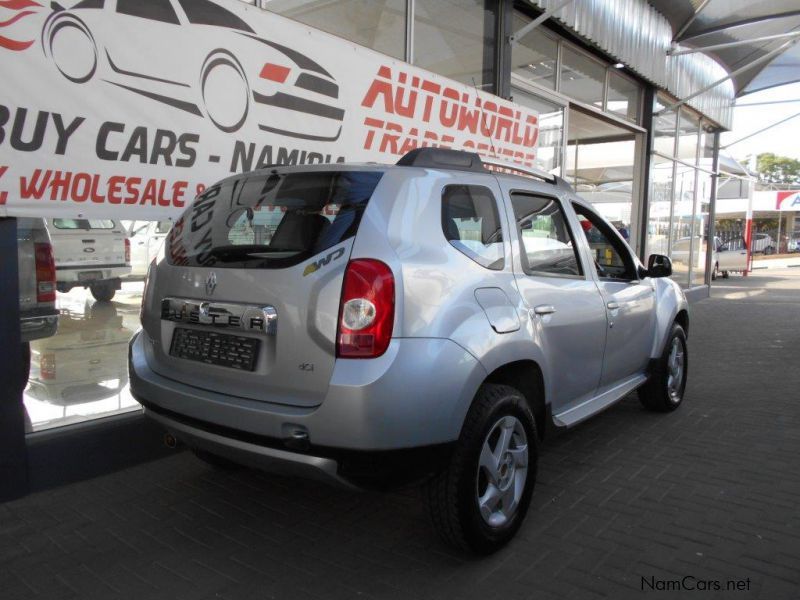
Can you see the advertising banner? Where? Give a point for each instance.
(787, 200)
(129, 108)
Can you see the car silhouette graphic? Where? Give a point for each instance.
(198, 57)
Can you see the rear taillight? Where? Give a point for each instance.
(366, 311)
(45, 272)
(127, 251)
(47, 366)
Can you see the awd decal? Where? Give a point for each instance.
(317, 265)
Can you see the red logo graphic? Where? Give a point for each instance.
(19, 6)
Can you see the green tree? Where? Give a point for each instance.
(777, 169)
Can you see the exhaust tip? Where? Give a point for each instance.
(170, 441)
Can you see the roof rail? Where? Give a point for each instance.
(445, 158)
(517, 169)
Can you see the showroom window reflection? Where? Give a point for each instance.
(81, 372)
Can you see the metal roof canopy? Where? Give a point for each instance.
(738, 33)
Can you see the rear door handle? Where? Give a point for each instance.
(613, 305)
(544, 309)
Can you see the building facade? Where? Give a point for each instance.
(600, 79)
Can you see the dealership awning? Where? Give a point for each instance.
(738, 33)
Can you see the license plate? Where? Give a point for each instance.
(214, 348)
(90, 275)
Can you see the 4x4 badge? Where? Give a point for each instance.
(317, 265)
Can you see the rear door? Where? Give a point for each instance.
(247, 301)
(565, 306)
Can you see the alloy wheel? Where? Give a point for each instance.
(502, 471)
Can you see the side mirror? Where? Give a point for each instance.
(659, 265)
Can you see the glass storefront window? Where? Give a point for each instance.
(377, 25)
(81, 372)
(456, 38)
(682, 222)
(582, 77)
(601, 159)
(624, 96)
(535, 56)
(551, 129)
(660, 206)
(700, 229)
(688, 129)
(664, 133)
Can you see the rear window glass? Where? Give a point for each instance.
(271, 220)
(83, 223)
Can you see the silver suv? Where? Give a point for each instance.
(376, 325)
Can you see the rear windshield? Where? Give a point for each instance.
(83, 224)
(270, 220)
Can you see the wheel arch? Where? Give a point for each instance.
(526, 377)
(682, 319)
(671, 307)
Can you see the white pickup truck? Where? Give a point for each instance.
(147, 238)
(90, 253)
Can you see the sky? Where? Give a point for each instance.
(783, 140)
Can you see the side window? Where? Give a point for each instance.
(155, 10)
(471, 224)
(547, 244)
(611, 256)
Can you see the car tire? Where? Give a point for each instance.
(715, 273)
(216, 461)
(666, 385)
(103, 292)
(769, 250)
(498, 422)
(725, 274)
(217, 60)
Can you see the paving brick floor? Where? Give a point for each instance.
(710, 491)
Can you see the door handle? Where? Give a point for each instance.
(544, 309)
(613, 305)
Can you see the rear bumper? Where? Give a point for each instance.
(414, 397)
(70, 275)
(255, 455)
